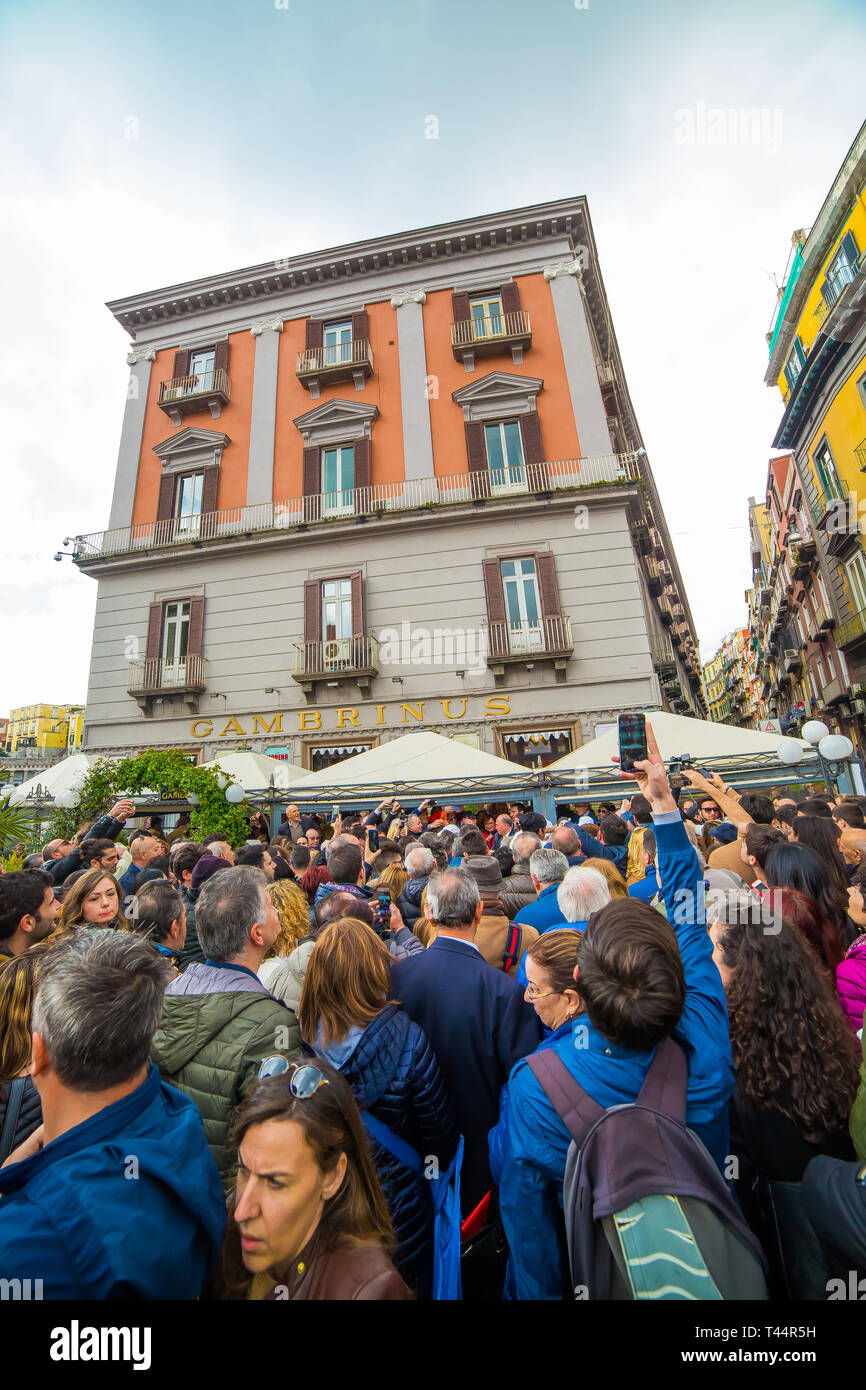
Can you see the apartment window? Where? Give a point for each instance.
(861, 387)
(189, 495)
(202, 366)
(337, 343)
(856, 574)
(336, 610)
(522, 605)
(505, 456)
(175, 642)
(825, 468)
(485, 312)
(841, 269)
(338, 480)
(795, 362)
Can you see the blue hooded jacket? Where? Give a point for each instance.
(125, 1205)
(529, 1146)
(393, 1073)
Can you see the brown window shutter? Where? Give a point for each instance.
(154, 632)
(312, 625)
(476, 457)
(510, 296)
(533, 451)
(494, 595)
(545, 568)
(357, 604)
(195, 637)
(181, 363)
(165, 504)
(460, 307)
(362, 475)
(221, 356)
(312, 484)
(360, 326)
(315, 332)
(209, 488)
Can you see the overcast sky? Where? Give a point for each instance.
(142, 145)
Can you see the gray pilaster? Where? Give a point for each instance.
(126, 477)
(417, 438)
(263, 417)
(580, 368)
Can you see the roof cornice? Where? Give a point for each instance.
(340, 264)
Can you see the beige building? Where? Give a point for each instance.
(394, 485)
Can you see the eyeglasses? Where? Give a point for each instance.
(533, 992)
(305, 1080)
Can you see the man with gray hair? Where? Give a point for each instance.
(475, 1018)
(581, 893)
(115, 1195)
(419, 864)
(219, 1020)
(548, 868)
(518, 889)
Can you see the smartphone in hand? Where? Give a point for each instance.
(632, 740)
(373, 836)
(383, 910)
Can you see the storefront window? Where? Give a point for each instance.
(322, 755)
(536, 747)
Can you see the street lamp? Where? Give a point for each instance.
(833, 751)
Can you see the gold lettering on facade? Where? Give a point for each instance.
(352, 717)
(446, 709)
(497, 704)
(206, 732)
(229, 730)
(305, 714)
(416, 711)
(275, 726)
(380, 711)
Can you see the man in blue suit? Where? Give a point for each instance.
(475, 1018)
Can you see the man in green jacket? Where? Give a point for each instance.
(219, 1021)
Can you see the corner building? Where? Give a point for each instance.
(391, 485)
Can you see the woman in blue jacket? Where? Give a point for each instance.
(345, 1016)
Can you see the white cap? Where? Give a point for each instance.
(586, 820)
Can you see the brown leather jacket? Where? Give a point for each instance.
(360, 1273)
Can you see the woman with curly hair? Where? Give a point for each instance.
(797, 1072)
(293, 911)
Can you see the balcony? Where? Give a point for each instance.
(793, 662)
(837, 284)
(359, 504)
(525, 643)
(184, 395)
(860, 455)
(327, 366)
(160, 679)
(495, 333)
(854, 630)
(654, 579)
(663, 656)
(336, 662)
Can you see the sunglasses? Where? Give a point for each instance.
(305, 1080)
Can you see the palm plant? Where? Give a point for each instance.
(16, 824)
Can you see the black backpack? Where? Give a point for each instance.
(647, 1212)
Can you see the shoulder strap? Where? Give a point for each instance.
(10, 1122)
(396, 1146)
(578, 1111)
(666, 1082)
(512, 946)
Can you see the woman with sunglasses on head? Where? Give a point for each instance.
(345, 1014)
(308, 1220)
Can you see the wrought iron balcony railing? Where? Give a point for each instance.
(338, 657)
(381, 499)
(160, 677)
(335, 362)
(491, 333)
(521, 640)
(181, 395)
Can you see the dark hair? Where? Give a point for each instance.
(282, 864)
(345, 862)
(504, 858)
(184, 859)
(441, 853)
(94, 849)
(471, 842)
(357, 1214)
(758, 806)
(153, 909)
(792, 1047)
(822, 834)
(341, 904)
(359, 829)
(631, 976)
(815, 806)
(815, 926)
(252, 854)
(160, 863)
(648, 843)
(531, 820)
(300, 858)
(760, 839)
(614, 829)
(852, 813)
(641, 809)
(218, 837)
(858, 879)
(798, 866)
(787, 815)
(22, 893)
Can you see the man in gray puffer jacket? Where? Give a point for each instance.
(219, 1021)
(419, 865)
(518, 890)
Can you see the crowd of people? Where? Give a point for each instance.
(376, 1057)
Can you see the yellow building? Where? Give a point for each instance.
(818, 362)
(44, 728)
(714, 672)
